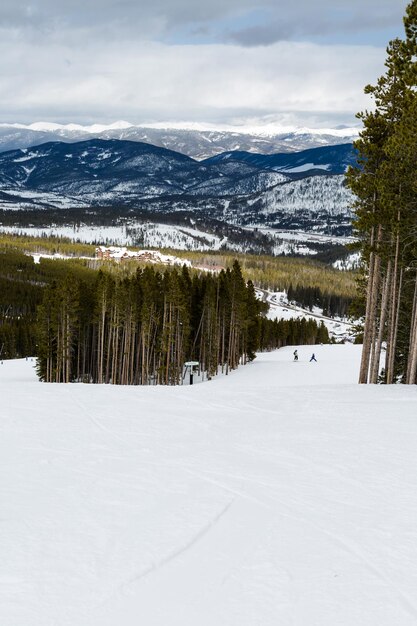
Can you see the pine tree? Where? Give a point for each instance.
(382, 184)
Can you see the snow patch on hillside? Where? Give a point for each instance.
(148, 235)
(305, 168)
(20, 199)
(147, 256)
(317, 194)
(351, 262)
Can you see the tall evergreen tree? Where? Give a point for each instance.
(382, 183)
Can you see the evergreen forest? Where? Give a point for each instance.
(134, 325)
(141, 329)
(385, 185)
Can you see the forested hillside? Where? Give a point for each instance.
(53, 309)
(142, 329)
(310, 282)
(22, 285)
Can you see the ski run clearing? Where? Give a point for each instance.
(280, 309)
(282, 495)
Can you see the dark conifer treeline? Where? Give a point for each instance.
(19, 297)
(143, 328)
(385, 185)
(22, 284)
(98, 326)
(21, 288)
(333, 305)
(293, 332)
(310, 282)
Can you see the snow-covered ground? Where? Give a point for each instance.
(152, 234)
(86, 234)
(283, 494)
(304, 242)
(281, 309)
(307, 236)
(128, 234)
(352, 262)
(15, 199)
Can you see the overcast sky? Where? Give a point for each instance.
(294, 62)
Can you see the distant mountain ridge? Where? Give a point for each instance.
(294, 189)
(126, 169)
(113, 171)
(328, 159)
(198, 142)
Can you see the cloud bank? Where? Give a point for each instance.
(87, 61)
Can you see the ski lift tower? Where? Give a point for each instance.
(192, 367)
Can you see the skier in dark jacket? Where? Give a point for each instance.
(313, 358)
(295, 355)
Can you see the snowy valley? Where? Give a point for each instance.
(137, 194)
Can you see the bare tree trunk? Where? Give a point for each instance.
(412, 355)
(376, 352)
(371, 307)
(394, 313)
(395, 334)
(101, 335)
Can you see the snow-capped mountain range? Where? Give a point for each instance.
(199, 141)
(296, 191)
(290, 189)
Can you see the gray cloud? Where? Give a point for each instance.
(306, 22)
(130, 14)
(156, 82)
(97, 60)
(274, 20)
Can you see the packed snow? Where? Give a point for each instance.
(282, 494)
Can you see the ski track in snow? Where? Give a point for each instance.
(281, 494)
(193, 541)
(353, 549)
(95, 421)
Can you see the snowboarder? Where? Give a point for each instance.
(295, 355)
(313, 358)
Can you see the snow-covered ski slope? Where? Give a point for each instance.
(281, 495)
(281, 309)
